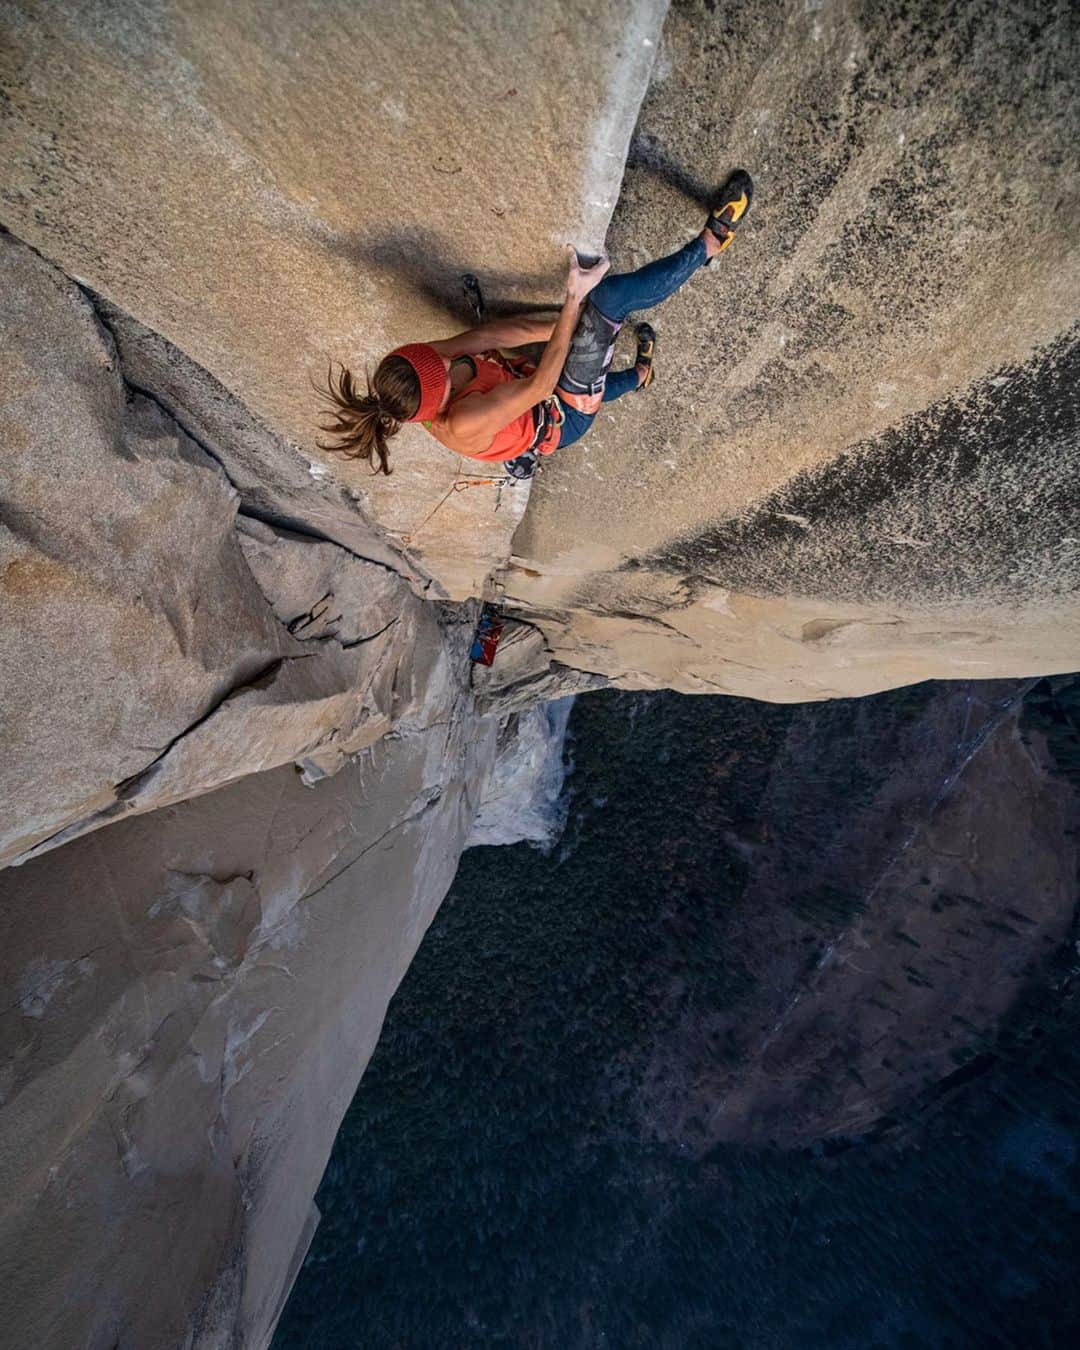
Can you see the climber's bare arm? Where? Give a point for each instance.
(476, 420)
(499, 333)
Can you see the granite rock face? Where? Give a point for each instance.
(200, 654)
(281, 738)
(271, 187)
(129, 613)
(233, 688)
(524, 797)
(195, 993)
(862, 426)
(276, 482)
(859, 464)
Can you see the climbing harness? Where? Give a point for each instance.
(584, 373)
(546, 415)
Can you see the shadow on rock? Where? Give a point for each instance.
(431, 266)
(646, 153)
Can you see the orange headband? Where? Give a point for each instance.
(432, 375)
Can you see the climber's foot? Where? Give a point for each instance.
(646, 351)
(724, 218)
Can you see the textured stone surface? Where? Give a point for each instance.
(273, 477)
(194, 995)
(270, 186)
(524, 673)
(128, 611)
(190, 994)
(148, 601)
(876, 424)
(523, 799)
(858, 468)
(863, 420)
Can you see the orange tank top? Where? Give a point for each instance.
(493, 369)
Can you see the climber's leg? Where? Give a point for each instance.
(584, 377)
(581, 409)
(576, 424)
(641, 374)
(617, 383)
(618, 296)
(581, 406)
(584, 374)
(621, 382)
(581, 384)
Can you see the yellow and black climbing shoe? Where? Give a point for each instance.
(732, 205)
(646, 350)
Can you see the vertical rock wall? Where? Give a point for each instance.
(194, 995)
(227, 699)
(274, 727)
(272, 186)
(859, 463)
(262, 757)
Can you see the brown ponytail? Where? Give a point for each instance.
(363, 423)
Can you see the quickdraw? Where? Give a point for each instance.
(461, 485)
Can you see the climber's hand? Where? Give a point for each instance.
(581, 280)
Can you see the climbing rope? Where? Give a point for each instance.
(461, 485)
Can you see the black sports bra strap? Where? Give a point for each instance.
(472, 363)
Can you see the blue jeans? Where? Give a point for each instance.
(621, 295)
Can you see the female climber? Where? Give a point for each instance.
(490, 407)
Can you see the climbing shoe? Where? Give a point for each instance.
(731, 207)
(646, 350)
